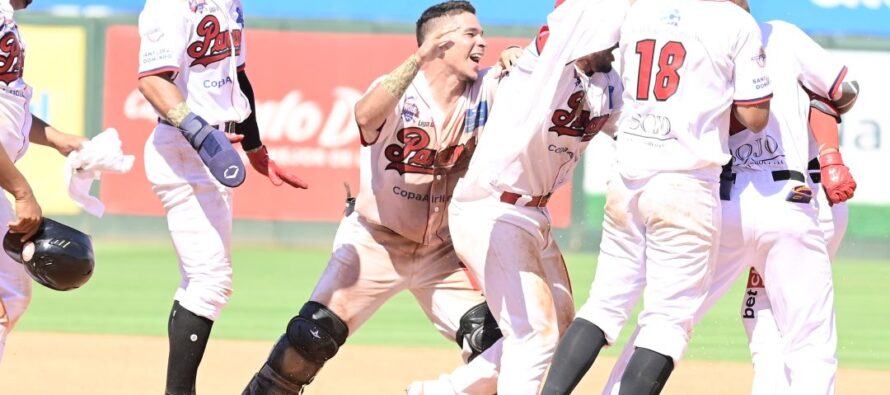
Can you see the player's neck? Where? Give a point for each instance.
(445, 85)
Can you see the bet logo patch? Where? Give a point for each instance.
(800, 194)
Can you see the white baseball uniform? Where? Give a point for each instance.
(502, 230)
(771, 223)
(15, 97)
(397, 239)
(202, 43)
(683, 64)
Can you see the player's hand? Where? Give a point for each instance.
(259, 159)
(508, 59)
(28, 216)
(837, 181)
(234, 138)
(436, 44)
(70, 143)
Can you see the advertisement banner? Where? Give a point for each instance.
(863, 132)
(828, 17)
(306, 85)
(56, 69)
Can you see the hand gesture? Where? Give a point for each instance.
(260, 161)
(436, 44)
(508, 59)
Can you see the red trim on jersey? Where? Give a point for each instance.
(361, 136)
(161, 70)
(752, 102)
(473, 282)
(835, 87)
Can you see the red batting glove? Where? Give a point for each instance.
(837, 181)
(259, 159)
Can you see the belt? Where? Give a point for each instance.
(727, 179)
(226, 127)
(536, 201)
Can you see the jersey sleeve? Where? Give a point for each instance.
(616, 92)
(242, 41)
(818, 70)
(163, 35)
(369, 137)
(752, 84)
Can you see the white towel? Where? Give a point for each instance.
(101, 154)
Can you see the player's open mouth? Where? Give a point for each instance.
(476, 57)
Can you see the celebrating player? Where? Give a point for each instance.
(18, 127)
(684, 64)
(785, 225)
(419, 126)
(189, 159)
(500, 224)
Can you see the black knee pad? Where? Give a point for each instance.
(317, 333)
(478, 329)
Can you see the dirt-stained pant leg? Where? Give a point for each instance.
(732, 259)
(199, 218)
(620, 271)
(682, 215)
(367, 267)
(508, 249)
(445, 292)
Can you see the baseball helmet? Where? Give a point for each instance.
(57, 256)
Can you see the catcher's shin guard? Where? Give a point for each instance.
(312, 337)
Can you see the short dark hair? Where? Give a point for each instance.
(451, 7)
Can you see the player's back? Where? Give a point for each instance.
(681, 73)
(795, 60)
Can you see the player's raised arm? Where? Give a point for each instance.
(372, 110)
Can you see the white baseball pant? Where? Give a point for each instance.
(768, 218)
(509, 249)
(199, 217)
(660, 238)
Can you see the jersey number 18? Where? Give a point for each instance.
(670, 59)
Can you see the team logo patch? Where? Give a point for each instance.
(760, 58)
(576, 121)
(410, 110)
(672, 17)
(800, 194)
(12, 59)
(414, 156)
(213, 45)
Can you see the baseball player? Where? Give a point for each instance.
(419, 125)
(768, 184)
(684, 63)
(18, 128)
(501, 226)
(186, 45)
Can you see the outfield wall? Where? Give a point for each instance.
(307, 76)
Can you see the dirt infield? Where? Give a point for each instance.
(71, 364)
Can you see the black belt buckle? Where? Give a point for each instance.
(800, 194)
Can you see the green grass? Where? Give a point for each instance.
(132, 289)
